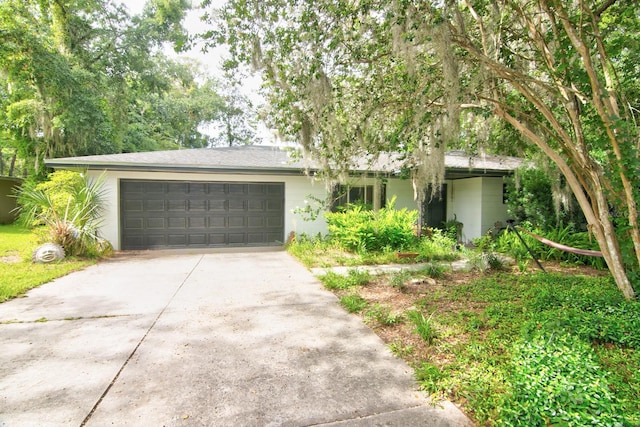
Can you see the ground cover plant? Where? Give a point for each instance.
(17, 273)
(515, 347)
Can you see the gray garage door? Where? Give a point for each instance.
(181, 214)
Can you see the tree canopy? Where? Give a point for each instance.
(553, 78)
(86, 77)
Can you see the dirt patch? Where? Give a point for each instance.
(10, 258)
(413, 295)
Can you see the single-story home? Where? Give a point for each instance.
(254, 195)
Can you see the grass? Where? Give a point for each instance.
(509, 347)
(17, 273)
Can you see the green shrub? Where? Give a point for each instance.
(532, 201)
(555, 380)
(353, 278)
(70, 205)
(358, 229)
(437, 246)
(509, 243)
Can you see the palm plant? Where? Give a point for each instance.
(71, 211)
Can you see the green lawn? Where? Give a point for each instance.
(17, 273)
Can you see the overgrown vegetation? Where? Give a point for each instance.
(17, 273)
(510, 244)
(69, 205)
(359, 229)
(512, 349)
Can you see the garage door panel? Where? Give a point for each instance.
(276, 190)
(153, 187)
(237, 204)
(255, 222)
(217, 222)
(156, 240)
(218, 205)
(178, 188)
(217, 239)
(198, 188)
(197, 239)
(155, 224)
(154, 205)
(255, 205)
(236, 221)
(196, 205)
(134, 224)
(176, 205)
(157, 214)
(177, 222)
(274, 206)
(236, 238)
(234, 188)
(197, 222)
(134, 205)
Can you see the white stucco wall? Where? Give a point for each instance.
(466, 206)
(477, 203)
(493, 209)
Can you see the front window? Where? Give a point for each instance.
(344, 195)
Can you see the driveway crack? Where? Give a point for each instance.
(63, 319)
(126, 362)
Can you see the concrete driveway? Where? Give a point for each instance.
(214, 339)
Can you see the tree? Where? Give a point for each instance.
(80, 78)
(349, 78)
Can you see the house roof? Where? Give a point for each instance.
(270, 160)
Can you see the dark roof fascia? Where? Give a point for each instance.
(169, 168)
(450, 173)
(453, 174)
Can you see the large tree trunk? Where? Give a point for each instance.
(599, 220)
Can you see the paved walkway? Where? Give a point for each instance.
(216, 339)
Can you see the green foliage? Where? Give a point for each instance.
(399, 280)
(502, 309)
(531, 200)
(353, 303)
(384, 316)
(424, 326)
(354, 278)
(591, 309)
(430, 377)
(433, 270)
(487, 261)
(509, 243)
(437, 246)
(88, 78)
(70, 205)
(401, 350)
(358, 229)
(556, 380)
